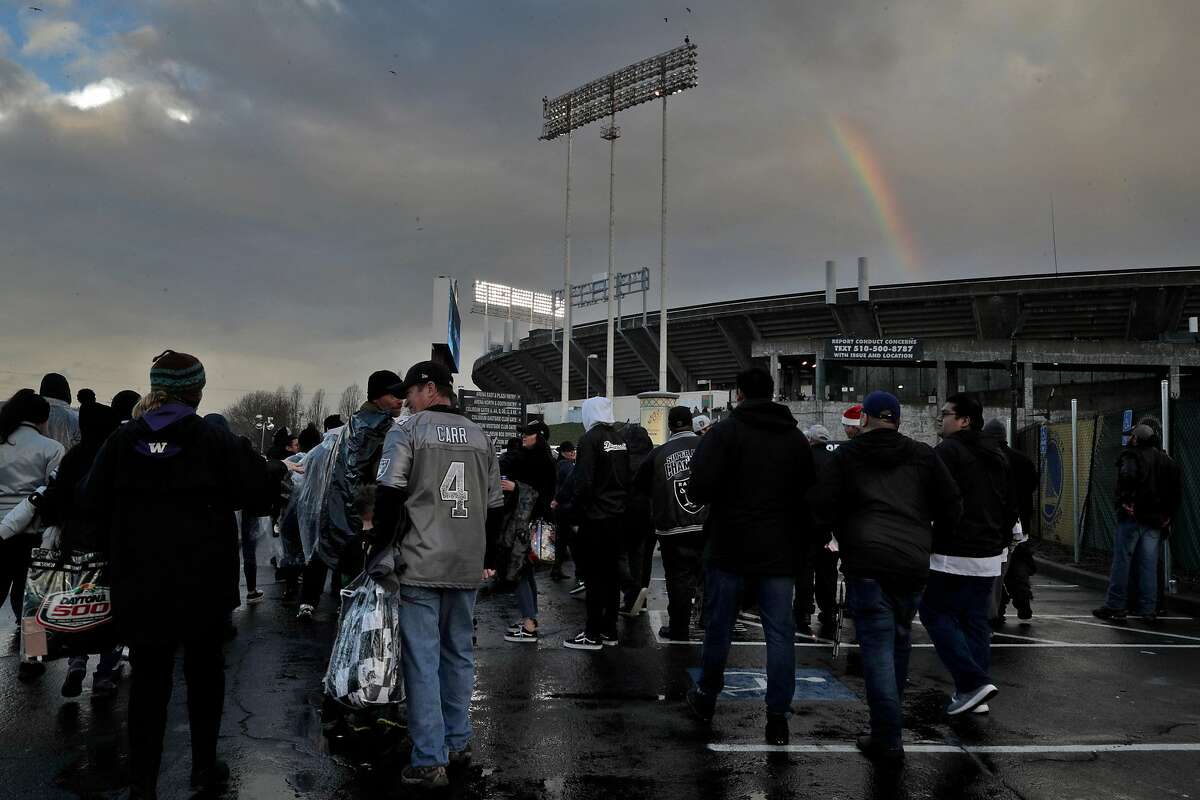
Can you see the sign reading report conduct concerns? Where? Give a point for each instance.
(874, 349)
(497, 413)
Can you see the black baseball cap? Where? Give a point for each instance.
(423, 372)
(679, 417)
(536, 426)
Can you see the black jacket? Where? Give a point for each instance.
(536, 468)
(989, 498)
(664, 478)
(166, 487)
(1025, 481)
(356, 465)
(822, 453)
(885, 496)
(1150, 482)
(601, 475)
(752, 469)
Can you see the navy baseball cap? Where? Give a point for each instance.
(882, 405)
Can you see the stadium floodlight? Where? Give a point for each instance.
(524, 305)
(661, 76)
(653, 78)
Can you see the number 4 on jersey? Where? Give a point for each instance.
(454, 489)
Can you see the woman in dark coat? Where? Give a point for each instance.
(531, 468)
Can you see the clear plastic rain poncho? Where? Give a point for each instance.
(364, 669)
(318, 471)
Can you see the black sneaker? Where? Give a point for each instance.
(582, 642)
(425, 777)
(777, 729)
(305, 614)
(1110, 614)
(520, 635)
(212, 777)
(28, 671)
(677, 636)
(1024, 609)
(461, 758)
(103, 687)
(1150, 619)
(805, 631)
(701, 705)
(876, 751)
(609, 639)
(73, 685)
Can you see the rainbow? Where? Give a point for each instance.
(858, 155)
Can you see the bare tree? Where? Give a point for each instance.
(295, 409)
(352, 398)
(316, 409)
(243, 415)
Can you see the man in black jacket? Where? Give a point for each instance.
(966, 562)
(885, 497)
(165, 486)
(678, 520)
(752, 469)
(818, 561)
(1020, 567)
(1149, 491)
(355, 466)
(601, 490)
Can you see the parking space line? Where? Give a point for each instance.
(1147, 631)
(921, 747)
(1025, 638)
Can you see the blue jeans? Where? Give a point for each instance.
(251, 530)
(954, 612)
(527, 602)
(722, 591)
(439, 670)
(883, 624)
(1144, 541)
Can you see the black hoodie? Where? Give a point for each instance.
(752, 470)
(886, 498)
(989, 496)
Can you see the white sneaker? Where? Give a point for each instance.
(982, 708)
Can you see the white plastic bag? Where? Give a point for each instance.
(364, 669)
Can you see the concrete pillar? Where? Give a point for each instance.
(1173, 379)
(775, 376)
(943, 377)
(1028, 409)
(819, 382)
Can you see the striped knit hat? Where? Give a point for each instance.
(179, 376)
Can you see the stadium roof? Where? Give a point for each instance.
(713, 341)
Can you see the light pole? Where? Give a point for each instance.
(263, 425)
(587, 376)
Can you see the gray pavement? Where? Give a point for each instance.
(1085, 710)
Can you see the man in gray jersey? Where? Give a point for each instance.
(438, 507)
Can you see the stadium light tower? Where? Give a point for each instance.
(653, 78)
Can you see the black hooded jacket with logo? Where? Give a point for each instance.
(989, 496)
(752, 470)
(601, 476)
(664, 478)
(886, 497)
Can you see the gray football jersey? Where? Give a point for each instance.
(446, 463)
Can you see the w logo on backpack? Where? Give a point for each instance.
(157, 447)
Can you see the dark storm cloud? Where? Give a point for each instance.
(253, 194)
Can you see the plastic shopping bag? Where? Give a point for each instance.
(542, 541)
(67, 609)
(364, 669)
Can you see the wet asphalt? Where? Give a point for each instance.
(554, 723)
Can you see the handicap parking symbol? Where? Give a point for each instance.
(751, 684)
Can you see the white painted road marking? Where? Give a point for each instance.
(1147, 631)
(1015, 749)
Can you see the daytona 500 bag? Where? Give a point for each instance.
(67, 609)
(364, 669)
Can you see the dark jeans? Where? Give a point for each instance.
(721, 592)
(883, 625)
(251, 531)
(599, 544)
(1138, 544)
(636, 561)
(681, 555)
(817, 574)
(526, 591)
(563, 544)
(14, 564)
(153, 676)
(954, 612)
(1021, 568)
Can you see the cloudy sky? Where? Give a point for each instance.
(273, 184)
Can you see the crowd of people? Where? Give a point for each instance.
(751, 515)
